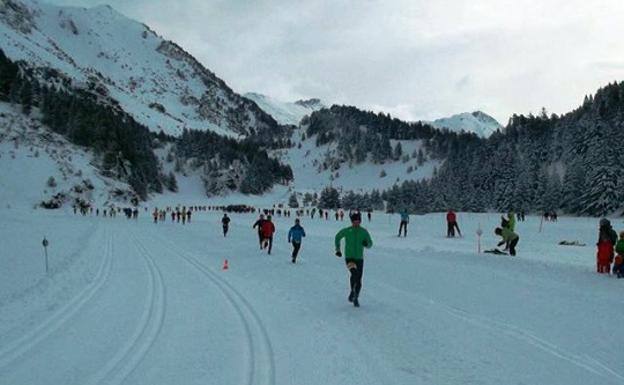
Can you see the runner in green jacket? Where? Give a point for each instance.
(356, 239)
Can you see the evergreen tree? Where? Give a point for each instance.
(171, 182)
(8, 74)
(554, 193)
(398, 151)
(573, 188)
(292, 201)
(330, 198)
(349, 201)
(26, 97)
(307, 199)
(603, 196)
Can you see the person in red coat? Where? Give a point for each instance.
(451, 224)
(607, 237)
(268, 228)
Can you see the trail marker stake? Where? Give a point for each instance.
(479, 233)
(45, 244)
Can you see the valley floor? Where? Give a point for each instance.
(141, 303)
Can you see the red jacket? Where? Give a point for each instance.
(450, 216)
(268, 229)
(605, 252)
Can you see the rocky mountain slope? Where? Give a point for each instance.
(154, 80)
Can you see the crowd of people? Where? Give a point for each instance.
(610, 255)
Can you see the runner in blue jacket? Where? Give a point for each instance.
(295, 234)
(404, 222)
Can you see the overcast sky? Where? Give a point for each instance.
(417, 59)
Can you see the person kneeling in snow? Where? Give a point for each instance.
(618, 261)
(509, 237)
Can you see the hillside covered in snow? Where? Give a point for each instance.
(315, 167)
(476, 122)
(285, 112)
(158, 83)
(39, 167)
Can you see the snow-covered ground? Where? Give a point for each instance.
(141, 303)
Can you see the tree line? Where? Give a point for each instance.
(570, 163)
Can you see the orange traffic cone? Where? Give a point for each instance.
(225, 264)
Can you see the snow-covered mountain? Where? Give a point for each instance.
(285, 112)
(478, 122)
(154, 80)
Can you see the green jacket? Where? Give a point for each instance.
(508, 235)
(354, 241)
(619, 247)
(512, 220)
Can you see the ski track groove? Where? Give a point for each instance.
(15, 349)
(246, 313)
(128, 358)
(588, 363)
(519, 333)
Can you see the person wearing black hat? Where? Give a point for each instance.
(356, 239)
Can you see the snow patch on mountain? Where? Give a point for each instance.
(37, 165)
(285, 112)
(477, 122)
(154, 80)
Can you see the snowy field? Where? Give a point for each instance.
(134, 302)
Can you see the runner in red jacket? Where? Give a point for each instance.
(268, 228)
(451, 224)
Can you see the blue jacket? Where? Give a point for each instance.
(296, 233)
(404, 217)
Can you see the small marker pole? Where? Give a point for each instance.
(541, 223)
(479, 233)
(45, 251)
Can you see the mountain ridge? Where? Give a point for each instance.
(477, 122)
(285, 112)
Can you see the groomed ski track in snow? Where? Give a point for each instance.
(149, 304)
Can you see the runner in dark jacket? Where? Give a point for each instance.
(258, 224)
(404, 222)
(225, 222)
(451, 224)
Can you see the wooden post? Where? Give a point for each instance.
(479, 233)
(45, 251)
